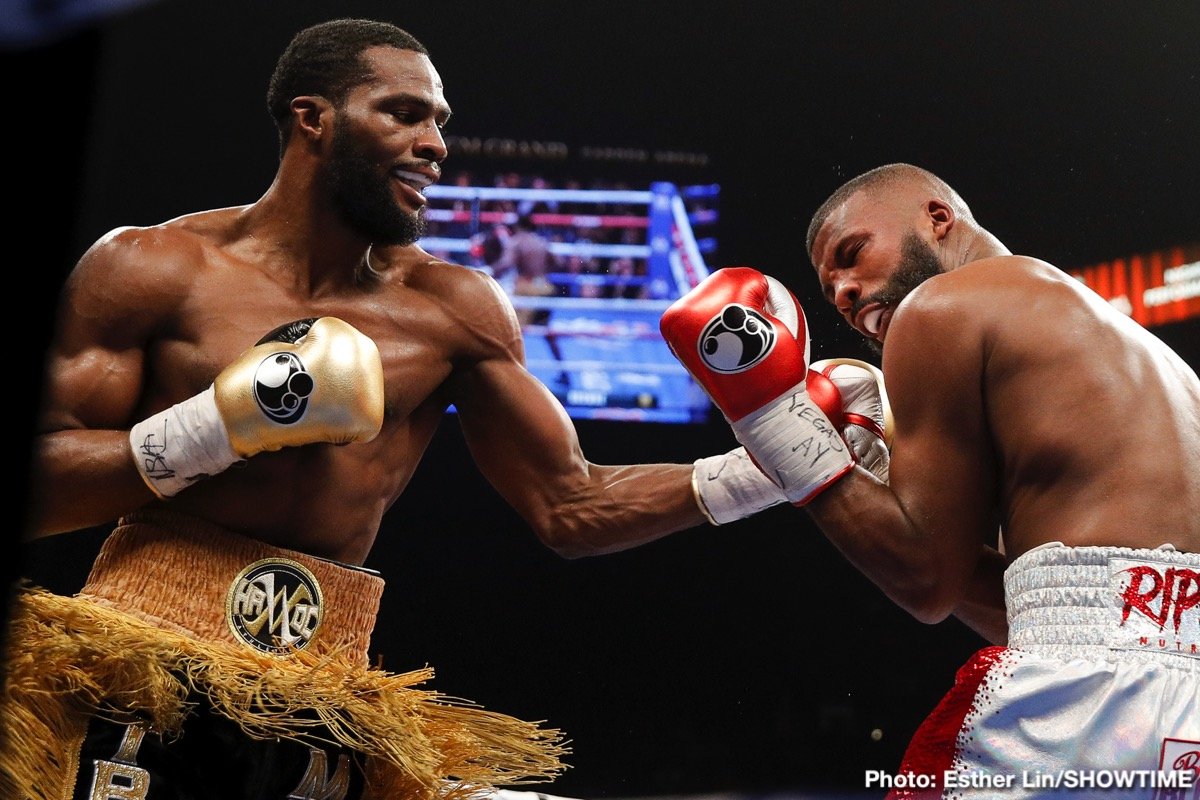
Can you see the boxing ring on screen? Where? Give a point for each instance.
(614, 260)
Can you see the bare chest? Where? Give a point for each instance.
(222, 319)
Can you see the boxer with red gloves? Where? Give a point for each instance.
(744, 337)
(1042, 483)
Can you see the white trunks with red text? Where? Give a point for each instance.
(1096, 695)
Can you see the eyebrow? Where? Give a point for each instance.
(440, 112)
(839, 259)
(839, 252)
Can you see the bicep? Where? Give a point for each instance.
(943, 468)
(96, 360)
(91, 386)
(944, 481)
(519, 434)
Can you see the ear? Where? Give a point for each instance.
(309, 115)
(941, 217)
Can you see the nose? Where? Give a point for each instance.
(430, 145)
(845, 294)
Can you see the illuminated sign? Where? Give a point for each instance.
(1155, 288)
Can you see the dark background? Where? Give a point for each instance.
(747, 658)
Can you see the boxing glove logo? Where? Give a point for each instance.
(282, 387)
(736, 339)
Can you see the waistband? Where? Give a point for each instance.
(196, 578)
(1107, 603)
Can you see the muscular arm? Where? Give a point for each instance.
(921, 537)
(83, 471)
(526, 445)
(982, 607)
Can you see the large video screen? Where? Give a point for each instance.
(590, 259)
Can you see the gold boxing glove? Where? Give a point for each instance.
(310, 381)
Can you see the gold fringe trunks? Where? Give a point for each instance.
(151, 633)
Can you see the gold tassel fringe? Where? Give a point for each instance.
(70, 658)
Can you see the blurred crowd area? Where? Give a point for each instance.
(550, 247)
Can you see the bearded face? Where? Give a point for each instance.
(362, 193)
(918, 263)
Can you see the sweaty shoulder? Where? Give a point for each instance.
(140, 273)
(475, 304)
(986, 299)
(983, 319)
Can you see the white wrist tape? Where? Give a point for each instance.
(177, 447)
(796, 444)
(730, 487)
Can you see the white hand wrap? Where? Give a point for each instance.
(730, 487)
(177, 447)
(796, 444)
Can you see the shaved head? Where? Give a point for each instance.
(890, 178)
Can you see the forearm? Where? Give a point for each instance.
(982, 607)
(82, 478)
(617, 508)
(524, 442)
(865, 521)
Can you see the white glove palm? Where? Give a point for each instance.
(868, 428)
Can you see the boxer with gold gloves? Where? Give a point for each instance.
(219, 645)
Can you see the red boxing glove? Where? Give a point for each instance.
(732, 486)
(867, 417)
(743, 336)
(727, 332)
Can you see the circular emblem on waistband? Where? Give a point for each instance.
(274, 605)
(736, 339)
(282, 387)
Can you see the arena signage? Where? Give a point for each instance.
(1154, 288)
(500, 148)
